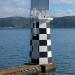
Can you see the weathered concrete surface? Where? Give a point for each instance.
(27, 70)
(50, 67)
(21, 70)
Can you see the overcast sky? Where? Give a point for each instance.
(20, 7)
(62, 7)
(14, 8)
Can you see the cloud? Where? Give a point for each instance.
(63, 1)
(14, 3)
(61, 8)
(60, 13)
(8, 12)
(14, 8)
(21, 8)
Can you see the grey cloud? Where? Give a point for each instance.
(14, 8)
(60, 13)
(63, 1)
(8, 12)
(14, 3)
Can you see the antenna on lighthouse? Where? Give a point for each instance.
(34, 17)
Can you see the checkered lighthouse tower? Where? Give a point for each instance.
(40, 43)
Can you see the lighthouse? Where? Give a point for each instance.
(40, 42)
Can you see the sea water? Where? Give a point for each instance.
(15, 46)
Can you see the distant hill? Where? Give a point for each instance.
(21, 22)
(63, 22)
(16, 22)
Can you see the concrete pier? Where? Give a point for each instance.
(21, 70)
(27, 69)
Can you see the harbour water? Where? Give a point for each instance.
(14, 49)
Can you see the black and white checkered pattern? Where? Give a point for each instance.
(40, 52)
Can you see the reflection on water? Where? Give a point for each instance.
(46, 74)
